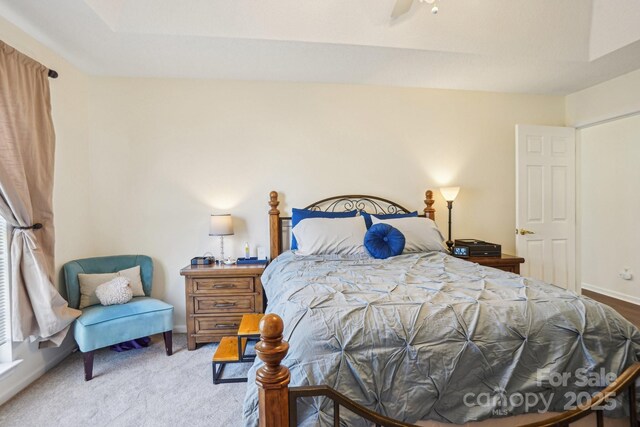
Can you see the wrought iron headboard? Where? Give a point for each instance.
(370, 204)
(280, 227)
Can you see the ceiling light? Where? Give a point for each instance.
(434, 9)
(402, 7)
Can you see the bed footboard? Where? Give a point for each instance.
(277, 401)
(272, 378)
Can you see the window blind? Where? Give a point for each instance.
(4, 284)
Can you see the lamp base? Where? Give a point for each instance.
(449, 241)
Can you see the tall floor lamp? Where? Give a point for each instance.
(221, 225)
(450, 194)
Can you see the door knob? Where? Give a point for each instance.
(522, 232)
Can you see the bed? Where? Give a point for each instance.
(426, 336)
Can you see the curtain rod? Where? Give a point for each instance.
(53, 74)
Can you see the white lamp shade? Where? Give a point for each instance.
(450, 193)
(221, 225)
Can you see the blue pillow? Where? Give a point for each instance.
(383, 241)
(298, 215)
(367, 216)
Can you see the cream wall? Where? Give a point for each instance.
(610, 204)
(71, 190)
(608, 167)
(167, 153)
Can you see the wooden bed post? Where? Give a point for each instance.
(275, 234)
(272, 378)
(429, 211)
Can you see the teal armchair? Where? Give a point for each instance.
(101, 326)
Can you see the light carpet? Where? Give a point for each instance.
(140, 387)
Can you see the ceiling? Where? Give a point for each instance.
(531, 46)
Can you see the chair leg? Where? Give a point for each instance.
(88, 365)
(168, 342)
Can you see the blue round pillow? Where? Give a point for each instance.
(383, 241)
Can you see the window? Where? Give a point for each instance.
(5, 341)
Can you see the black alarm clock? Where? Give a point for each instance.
(460, 251)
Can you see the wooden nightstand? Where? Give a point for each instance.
(217, 296)
(505, 262)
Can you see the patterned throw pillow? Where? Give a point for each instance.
(115, 291)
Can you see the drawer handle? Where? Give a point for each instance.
(225, 304)
(226, 325)
(224, 286)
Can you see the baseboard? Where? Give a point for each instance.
(180, 329)
(610, 293)
(26, 380)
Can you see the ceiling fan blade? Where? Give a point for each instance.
(401, 7)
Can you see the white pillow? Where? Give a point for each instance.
(115, 291)
(344, 236)
(420, 234)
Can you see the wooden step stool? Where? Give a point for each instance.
(232, 349)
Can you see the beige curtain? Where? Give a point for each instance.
(27, 143)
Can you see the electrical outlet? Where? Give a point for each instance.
(626, 274)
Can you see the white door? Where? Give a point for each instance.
(546, 203)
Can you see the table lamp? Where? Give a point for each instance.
(450, 194)
(221, 225)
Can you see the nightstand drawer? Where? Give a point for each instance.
(217, 325)
(224, 304)
(223, 285)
